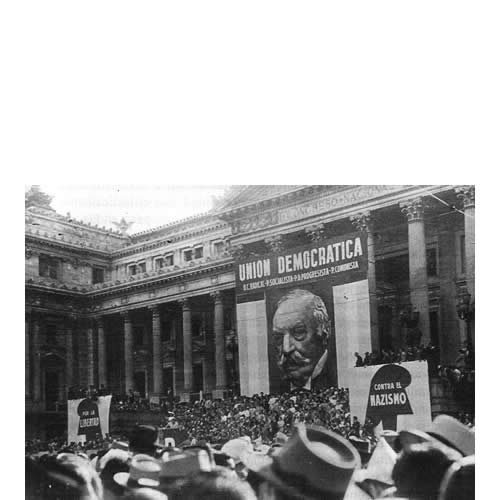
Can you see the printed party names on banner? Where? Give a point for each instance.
(343, 259)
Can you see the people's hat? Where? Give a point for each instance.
(454, 434)
(119, 445)
(237, 449)
(144, 438)
(314, 463)
(144, 471)
(445, 430)
(180, 464)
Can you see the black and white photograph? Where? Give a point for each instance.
(249, 249)
(291, 341)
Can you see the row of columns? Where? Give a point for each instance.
(33, 359)
(419, 294)
(220, 351)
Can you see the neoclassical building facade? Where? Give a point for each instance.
(156, 311)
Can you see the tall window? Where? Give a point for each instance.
(434, 327)
(139, 336)
(197, 324)
(48, 267)
(198, 252)
(132, 270)
(394, 270)
(159, 263)
(51, 334)
(218, 248)
(169, 260)
(432, 269)
(168, 329)
(141, 267)
(188, 255)
(97, 275)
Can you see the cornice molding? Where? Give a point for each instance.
(152, 280)
(42, 241)
(165, 240)
(71, 222)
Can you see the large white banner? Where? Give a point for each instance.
(253, 353)
(394, 396)
(88, 418)
(352, 324)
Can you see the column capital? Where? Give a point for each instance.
(467, 195)
(100, 322)
(315, 232)
(69, 320)
(155, 309)
(216, 296)
(126, 316)
(275, 243)
(185, 303)
(413, 209)
(363, 221)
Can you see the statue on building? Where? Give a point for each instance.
(123, 226)
(35, 197)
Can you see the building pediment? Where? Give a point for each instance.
(240, 197)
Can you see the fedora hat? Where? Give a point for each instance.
(313, 463)
(180, 464)
(144, 438)
(454, 434)
(144, 471)
(443, 430)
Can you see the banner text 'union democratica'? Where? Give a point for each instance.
(341, 260)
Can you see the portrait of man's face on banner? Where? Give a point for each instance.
(301, 333)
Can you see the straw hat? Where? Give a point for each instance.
(144, 471)
(444, 430)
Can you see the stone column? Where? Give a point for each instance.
(220, 346)
(90, 354)
(157, 361)
(127, 352)
(101, 353)
(419, 293)
(467, 194)
(27, 376)
(188, 346)
(69, 353)
(37, 367)
(364, 222)
(449, 331)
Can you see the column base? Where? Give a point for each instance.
(218, 393)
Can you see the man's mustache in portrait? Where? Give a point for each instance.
(293, 360)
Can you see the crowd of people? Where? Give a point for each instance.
(292, 446)
(429, 353)
(390, 355)
(262, 416)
